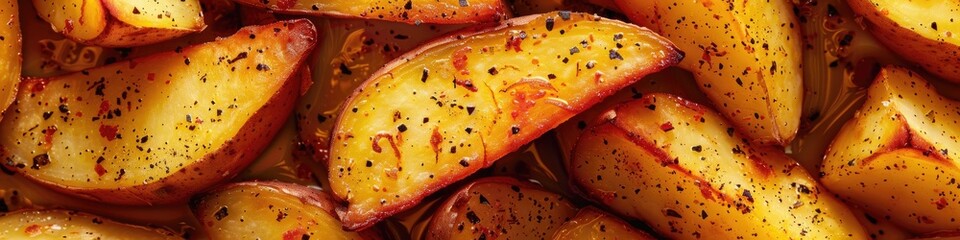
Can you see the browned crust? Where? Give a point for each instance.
(352, 220)
(495, 12)
(232, 157)
(438, 227)
(937, 57)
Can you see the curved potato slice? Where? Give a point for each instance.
(458, 104)
(10, 61)
(901, 147)
(684, 170)
(923, 31)
(353, 49)
(157, 129)
(121, 23)
(270, 210)
(62, 224)
(408, 11)
(746, 58)
(592, 223)
(500, 208)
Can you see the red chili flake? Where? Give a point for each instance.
(79, 114)
(294, 234)
(941, 204)
(48, 135)
(460, 60)
(133, 64)
(285, 4)
(762, 167)
(36, 84)
(32, 230)
(705, 189)
(151, 76)
(68, 25)
(108, 132)
(514, 43)
(100, 170)
(104, 107)
(466, 84)
(666, 127)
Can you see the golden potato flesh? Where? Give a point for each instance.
(592, 223)
(157, 129)
(898, 156)
(62, 224)
(353, 49)
(121, 23)
(685, 171)
(9, 53)
(745, 55)
(923, 31)
(500, 208)
(458, 104)
(270, 210)
(408, 11)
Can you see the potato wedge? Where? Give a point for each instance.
(456, 105)
(121, 23)
(157, 129)
(500, 208)
(63, 224)
(685, 171)
(749, 60)
(270, 210)
(898, 156)
(353, 49)
(592, 223)
(923, 31)
(409, 11)
(10, 61)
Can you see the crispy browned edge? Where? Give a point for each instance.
(348, 219)
(443, 215)
(608, 122)
(307, 196)
(227, 161)
(129, 34)
(492, 13)
(161, 231)
(894, 33)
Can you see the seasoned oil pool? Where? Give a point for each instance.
(840, 61)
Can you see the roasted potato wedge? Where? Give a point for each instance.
(353, 49)
(62, 224)
(923, 31)
(898, 156)
(500, 208)
(746, 58)
(409, 11)
(157, 129)
(10, 61)
(121, 23)
(270, 210)
(592, 223)
(685, 171)
(459, 103)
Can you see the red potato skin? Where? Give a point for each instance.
(308, 196)
(354, 221)
(478, 13)
(226, 162)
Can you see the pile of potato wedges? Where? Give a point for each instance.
(479, 119)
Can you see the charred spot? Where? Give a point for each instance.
(220, 214)
(40, 161)
(549, 24)
(425, 75)
(472, 217)
(463, 162)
